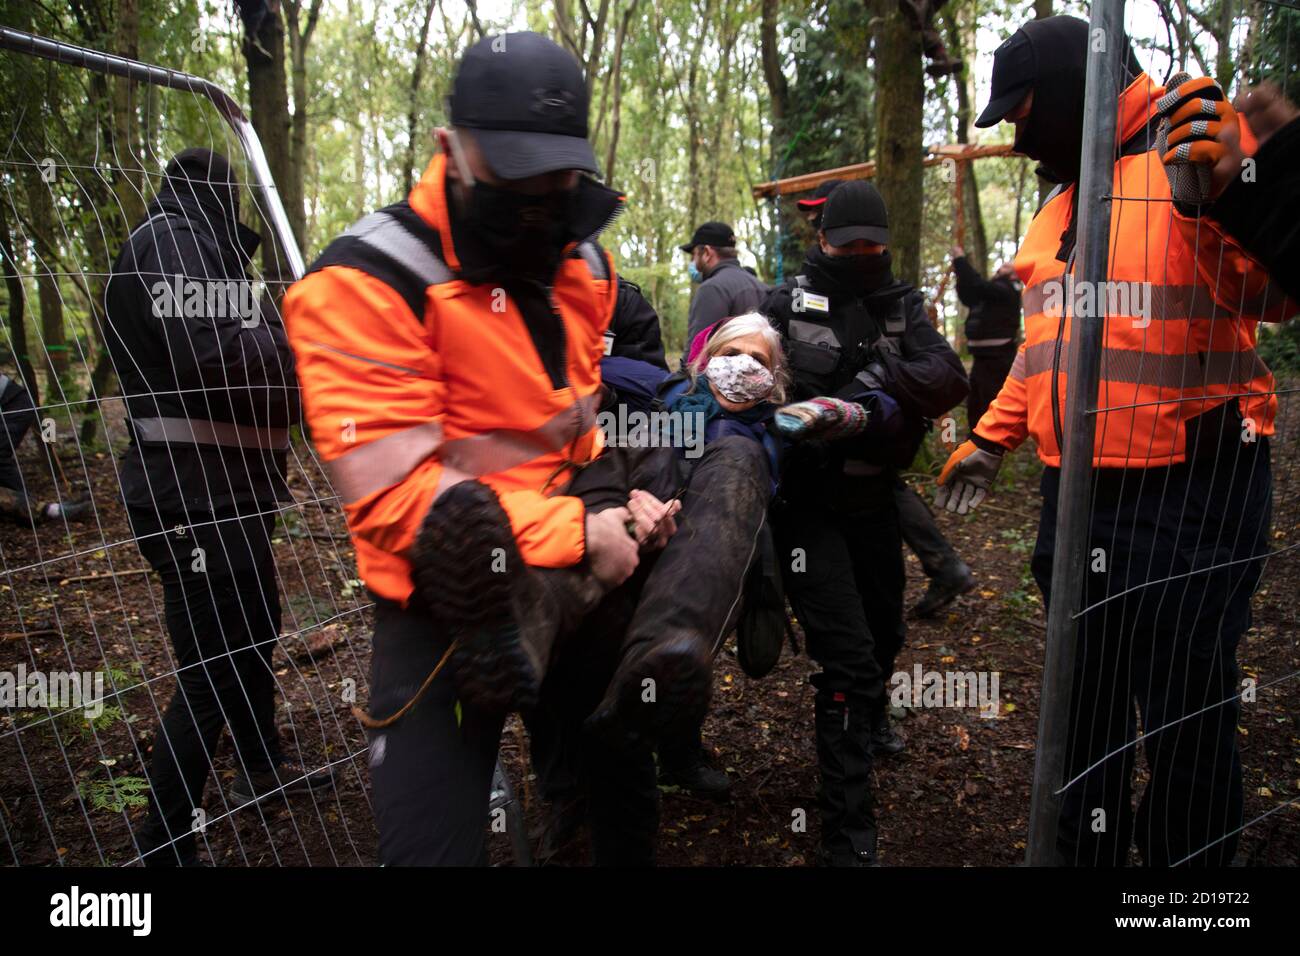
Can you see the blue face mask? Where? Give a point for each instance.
(695, 274)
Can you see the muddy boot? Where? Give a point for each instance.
(847, 803)
(944, 588)
(504, 616)
(689, 601)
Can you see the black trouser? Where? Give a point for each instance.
(922, 533)
(844, 577)
(617, 785)
(1168, 537)
(18, 415)
(987, 373)
(222, 607)
(431, 770)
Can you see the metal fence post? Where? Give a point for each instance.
(1069, 562)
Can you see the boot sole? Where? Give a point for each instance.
(682, 689)
(490, 666)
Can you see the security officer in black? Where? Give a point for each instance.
(992, 329)
(211, 395)
(855, 333)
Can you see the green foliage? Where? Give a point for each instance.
(1279, 48)
(116, 794)
(1279, 347)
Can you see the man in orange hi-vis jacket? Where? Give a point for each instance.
(1181, 491)
(448, 348)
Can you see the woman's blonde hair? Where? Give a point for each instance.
(738, 327)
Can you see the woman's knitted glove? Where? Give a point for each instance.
(823, 417)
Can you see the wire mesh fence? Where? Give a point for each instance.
(86, 644)
(1170, 557)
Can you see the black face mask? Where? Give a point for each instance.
(1053, 131)
(521, 235)
(859, 275)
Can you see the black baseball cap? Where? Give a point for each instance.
(855, 210)
(711, 234)
(819, 195)
(1014, 69)
(526, 101)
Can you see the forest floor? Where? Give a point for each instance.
(72, 789)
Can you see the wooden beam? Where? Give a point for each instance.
(961, 152)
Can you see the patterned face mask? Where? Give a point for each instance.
(740, 378)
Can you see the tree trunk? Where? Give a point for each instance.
(1223, 40)
(16, 318)
(268, 98)
(413, 111)
(44, 221)
(974, 239)
(299, 42)
(900, 93)
(128, 188)
(616, 123)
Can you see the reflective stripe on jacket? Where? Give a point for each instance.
(1181, 310)
(413, 381)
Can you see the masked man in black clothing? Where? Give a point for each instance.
(949, 576)
(992, 328)
(860, 342)
(210, 393)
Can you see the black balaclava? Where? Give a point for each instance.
(1053, 134)
(204, 179)
(856, 275)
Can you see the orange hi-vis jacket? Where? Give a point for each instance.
(1181, 307)
(414, 378)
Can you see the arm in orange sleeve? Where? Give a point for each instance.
(1006, 422)
(373, 388)
(1239, 284)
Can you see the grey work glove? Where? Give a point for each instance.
(966, 478)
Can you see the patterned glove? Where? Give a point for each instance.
(824, 417)
(1194, 112)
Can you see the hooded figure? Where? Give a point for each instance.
(192, 344)
(1047, 58)
(208, 380)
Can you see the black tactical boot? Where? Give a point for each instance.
(847, 803)
(885, 740)
(504, 616)
(683, 763)
(284, 777)
(945, 587)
